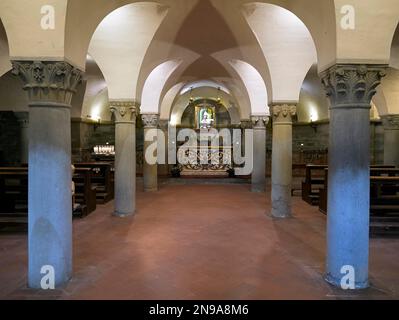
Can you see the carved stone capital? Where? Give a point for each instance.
(283, 113)
(259, 122)
(124, 111)
(352, 86)
(390, 122)
(150, 120)
(48, 83)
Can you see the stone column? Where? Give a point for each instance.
(23, 119)
(259, 161)
(124, 112)
(50, 86)
(350, 89)
(391, 139)
(282, 160)
(150, 171)
(164, 127)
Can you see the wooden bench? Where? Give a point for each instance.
(102, 179)
(374, 171)
(85, 193)
(314, 180)
(384, 201)
(298, 170)
(384, 205)
(14, 196)
(323, 192)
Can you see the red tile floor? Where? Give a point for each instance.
(193, 241)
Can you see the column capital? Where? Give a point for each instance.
(352, 85)
(390, 122)
(123, 110)
(283, 113)
(150, 120)
(260, 122)
(48, 83)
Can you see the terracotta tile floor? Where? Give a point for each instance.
(193, 241)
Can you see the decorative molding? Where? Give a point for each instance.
(283, 113)
(150, 120)
(390, 122)
(351, 85)
(48, 83)
(260, 122)
(124, 111)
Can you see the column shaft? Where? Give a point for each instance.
(125, 157)
(50, 198)
(350, 89)
(391, 139)
(163, 145)
(282, 160)
(150, 170)
(259, 162)
(50, 86)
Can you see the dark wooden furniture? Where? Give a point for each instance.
(14, 196)
(324, 194)
(387, 189)
(314, 180)
(384, 205)
(85, 193)
(384, 200)
(101, 179)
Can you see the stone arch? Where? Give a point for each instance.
(5, 64)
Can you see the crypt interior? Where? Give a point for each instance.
(297, 178)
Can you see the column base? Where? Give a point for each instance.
(36, 285)
(150, 190)
(123, 215)
(281, 201)
(337, 283)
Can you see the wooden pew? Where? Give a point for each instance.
(314, 180)
(102, 179)
(384, 205)
(324, 194)
(389, 171)
(298, 170)
(14, 196)
(384, 200)
(85, 193)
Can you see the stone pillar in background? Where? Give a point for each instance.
(245, 125)
(23, 119)
(50, 86)
(282, 160)
(391, 139)
(163, 145)
(150, 171)
(124, 112)
(259, 161)
(350, 89)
